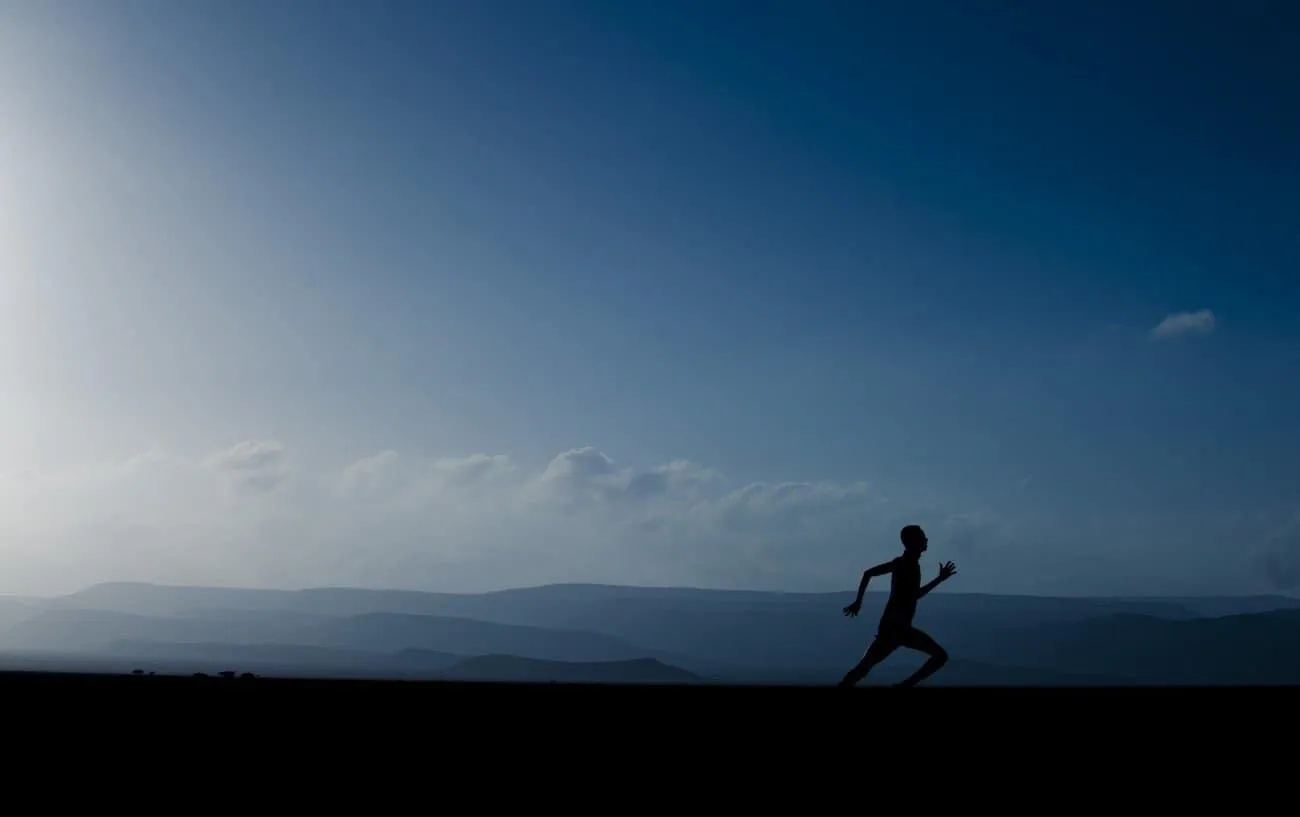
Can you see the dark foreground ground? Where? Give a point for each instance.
(297, 744)
(686, 709)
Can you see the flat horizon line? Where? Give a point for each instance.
(612, 586)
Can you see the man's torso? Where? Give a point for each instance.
(905, 584)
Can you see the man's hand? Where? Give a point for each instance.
(946, 571)
(852, 609)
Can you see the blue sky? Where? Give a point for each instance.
(919, 246)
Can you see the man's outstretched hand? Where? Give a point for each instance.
(946, 571)
(852, 609)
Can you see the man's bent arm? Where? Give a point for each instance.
(926, 588)
(878, 570)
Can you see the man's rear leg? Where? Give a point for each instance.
(877, 652)
(922, 642)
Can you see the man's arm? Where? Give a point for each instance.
(926, 588)
(879, 570)
(946, 572)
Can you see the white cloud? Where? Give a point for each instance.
(249, 515)
(254, 465)
(1200, 322)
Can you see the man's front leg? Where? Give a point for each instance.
(927, 669)
(858, 672)
(876, 653)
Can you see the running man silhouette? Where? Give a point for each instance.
(895, 629)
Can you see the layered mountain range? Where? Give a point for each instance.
(613, 634)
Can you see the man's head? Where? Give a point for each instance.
(914, 539)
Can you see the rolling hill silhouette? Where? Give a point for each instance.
(747, 636)
(287, 660)
(92, 630)
(75, 630)
(606, 608)
(528, 670)
(466, 636)
(1251, 648)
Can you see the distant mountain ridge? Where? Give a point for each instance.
(96, 630)
(1234, 649)
(707, 634)
(528, 670)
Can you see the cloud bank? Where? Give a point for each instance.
(249, 515)
(1200, 322)
(255, 515)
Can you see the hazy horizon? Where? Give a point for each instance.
(602, 634)
(464, 296)
(876, 593)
